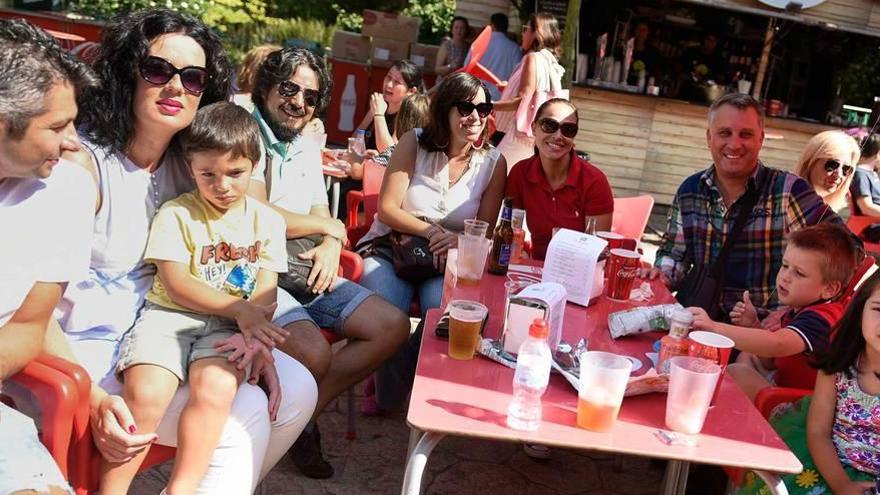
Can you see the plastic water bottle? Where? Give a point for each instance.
(530, 379)
(360, 143)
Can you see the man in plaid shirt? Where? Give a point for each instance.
(707, 203)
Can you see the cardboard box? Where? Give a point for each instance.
(351, 46)
(385, 52)
(391, 26)
(424, 56)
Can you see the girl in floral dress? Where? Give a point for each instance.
(839, 442)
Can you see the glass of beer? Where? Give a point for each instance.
(602, 384)
(465, 321)
(476, 228)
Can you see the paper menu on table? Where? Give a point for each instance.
(571, 261)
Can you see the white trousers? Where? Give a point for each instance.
(251, 444)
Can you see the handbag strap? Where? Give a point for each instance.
(753, 192)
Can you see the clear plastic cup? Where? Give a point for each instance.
(474, 227)
(465, 321)
(691, 386)
(472, 254)
(602, 384)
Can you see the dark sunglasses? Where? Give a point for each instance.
(159, 71)
(466, 108)
(550, 126)
(288, 89)
(832, 165)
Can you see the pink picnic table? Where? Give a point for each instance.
(470, 399)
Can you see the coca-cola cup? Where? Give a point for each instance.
(621, 269)
(714, 347)
(616, 240)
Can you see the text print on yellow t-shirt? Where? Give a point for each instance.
(231, 269)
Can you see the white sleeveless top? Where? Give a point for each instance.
(430, 196)
(105, 305)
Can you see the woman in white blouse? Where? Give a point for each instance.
(438, 177)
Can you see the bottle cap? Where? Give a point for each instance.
(683, 316)
(538, 329)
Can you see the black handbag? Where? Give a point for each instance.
(412, 258)
(295, 281)
(701, 287)
(871, 233)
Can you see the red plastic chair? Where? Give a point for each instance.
(478, 48)
(766, 401)
(631, 216)
(369, 197)
(58, 399)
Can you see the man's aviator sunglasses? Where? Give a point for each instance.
(550, 126)
(289, 89)
(832, 165)
(466, 108)
(159, 71)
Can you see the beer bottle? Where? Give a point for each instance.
(502, 240)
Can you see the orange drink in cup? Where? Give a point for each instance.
(603, 380)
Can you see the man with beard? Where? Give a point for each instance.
(292, 86)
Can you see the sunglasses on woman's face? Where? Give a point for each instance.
(159, 71)
(832, 165)
(550, 126)
(466, 108)
(289, 89)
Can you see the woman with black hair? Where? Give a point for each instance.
(438, 177)
(403, 79)
(157, 67)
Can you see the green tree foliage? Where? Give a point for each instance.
(436, 18)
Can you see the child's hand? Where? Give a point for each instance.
(265, 369)
(241, 353)
(854, 488)
(701, 319)
(744, 313)
(255, 322)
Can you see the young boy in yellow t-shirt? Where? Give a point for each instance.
(218, 254)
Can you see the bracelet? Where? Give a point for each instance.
(380, 115)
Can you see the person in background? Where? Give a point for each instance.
(701, 64)
(38, 86)
(291, 87)
(247, 71)
(501, 56)
(538, 71)
(865, 187)
(403, 79)
(827, 163)
(817, 265)
(438, 177)
(454, 49)
(709, 202)
(414, 112)
(556, 187)
(644, 51)
(834, 432)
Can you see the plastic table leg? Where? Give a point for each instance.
(417, 458)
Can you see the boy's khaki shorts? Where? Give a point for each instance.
(172, 339)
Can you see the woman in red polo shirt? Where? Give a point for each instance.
(555, 186)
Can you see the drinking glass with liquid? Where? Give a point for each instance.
(465, 322)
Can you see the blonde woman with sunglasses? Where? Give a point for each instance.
(827, 163)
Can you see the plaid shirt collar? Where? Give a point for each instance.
(709, 179)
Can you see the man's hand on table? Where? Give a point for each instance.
(654, 273)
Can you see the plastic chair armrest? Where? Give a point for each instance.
(353, 200)
(351, 266)
(57, 397)
(768, 398)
